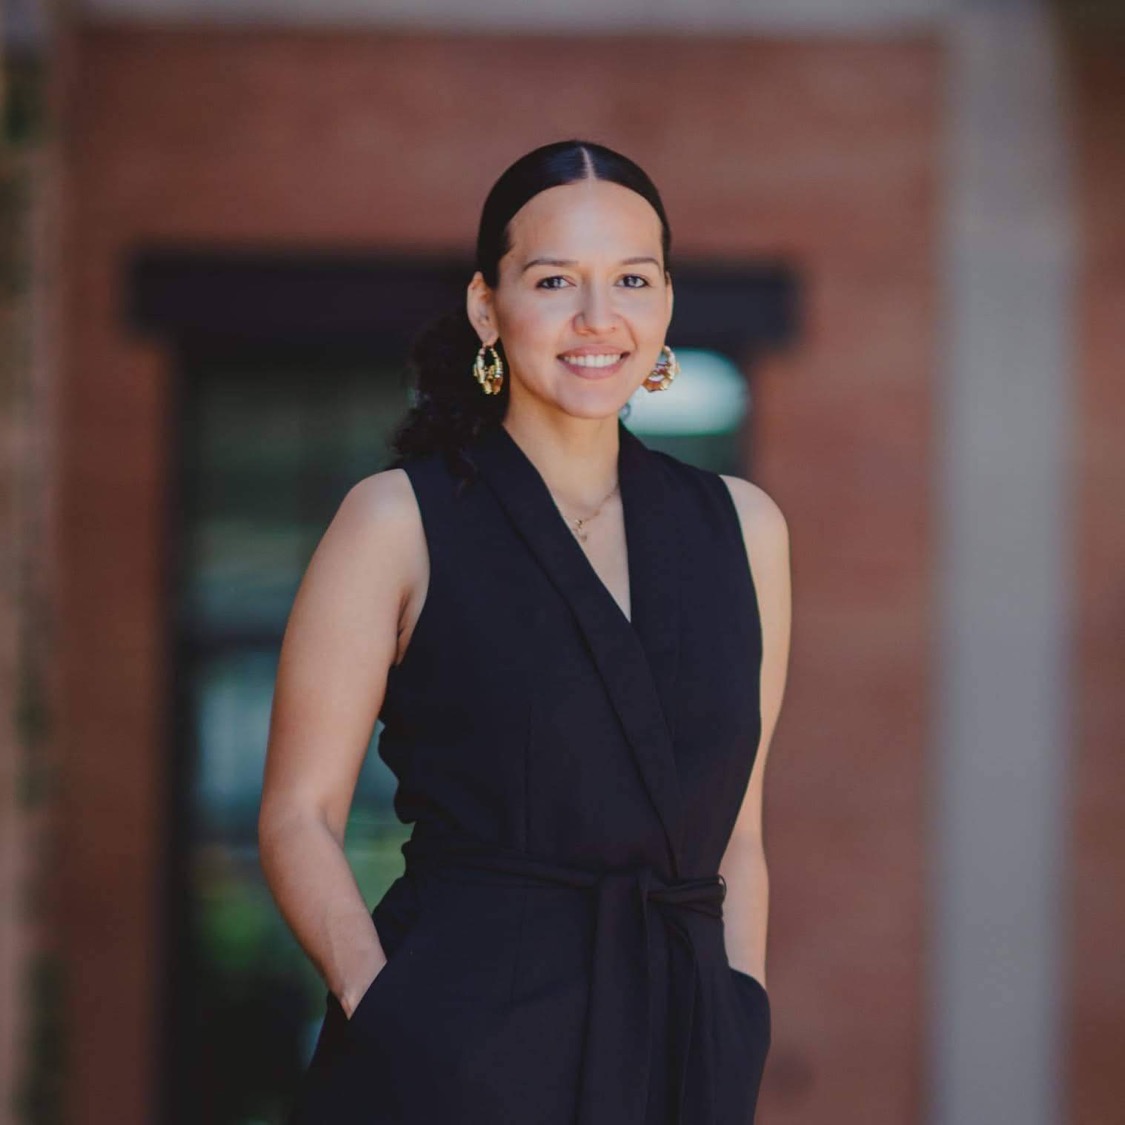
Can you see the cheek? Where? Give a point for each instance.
(530, 327)
(648, 313)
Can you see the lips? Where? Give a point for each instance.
(593, 365)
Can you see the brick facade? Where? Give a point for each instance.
(1096, 994)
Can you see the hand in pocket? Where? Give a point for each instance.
(366, 992)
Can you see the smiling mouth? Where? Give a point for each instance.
(599, 362)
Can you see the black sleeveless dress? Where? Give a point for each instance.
(555, 946)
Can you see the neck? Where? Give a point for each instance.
(577, 457)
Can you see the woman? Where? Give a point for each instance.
(578, 648)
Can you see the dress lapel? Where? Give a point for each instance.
(650, 504)
(637, 660)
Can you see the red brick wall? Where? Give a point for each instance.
(1097, 966)
(824, 153)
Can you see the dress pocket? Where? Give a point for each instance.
(372, 989)
(750, 981)
(755, 1005)
(372, 1006)
(396, 919)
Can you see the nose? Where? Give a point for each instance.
(596, 313)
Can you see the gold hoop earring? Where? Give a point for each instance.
(666, 369)
(490, 376)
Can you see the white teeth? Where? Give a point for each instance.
(593, 360)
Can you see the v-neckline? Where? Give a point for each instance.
(636, 656)
(625, 487)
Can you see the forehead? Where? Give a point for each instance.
(587, 218)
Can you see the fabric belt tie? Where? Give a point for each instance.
(616, 1055)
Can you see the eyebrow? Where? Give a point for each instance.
(571, 262)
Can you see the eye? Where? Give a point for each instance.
(542, 283)
(635, 277)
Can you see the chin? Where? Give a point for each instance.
(593, 406)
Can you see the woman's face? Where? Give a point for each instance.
(582, 303)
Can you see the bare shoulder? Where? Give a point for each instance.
(365, 569)
(381, 502)
(764, 526)
(374, 536)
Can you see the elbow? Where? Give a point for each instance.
(277, 821)
(280, 819)
(267, 838)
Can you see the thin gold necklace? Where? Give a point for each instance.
(577, 525)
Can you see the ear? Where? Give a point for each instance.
(671, 296)
(480, 310)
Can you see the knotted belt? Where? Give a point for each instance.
(616, 1057)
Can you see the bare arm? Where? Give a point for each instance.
(341, 637)
(744, 868)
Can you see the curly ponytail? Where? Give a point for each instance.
(450, 409)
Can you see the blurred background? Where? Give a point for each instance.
(899, 237)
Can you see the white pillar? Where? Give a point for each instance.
(1004, 572)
